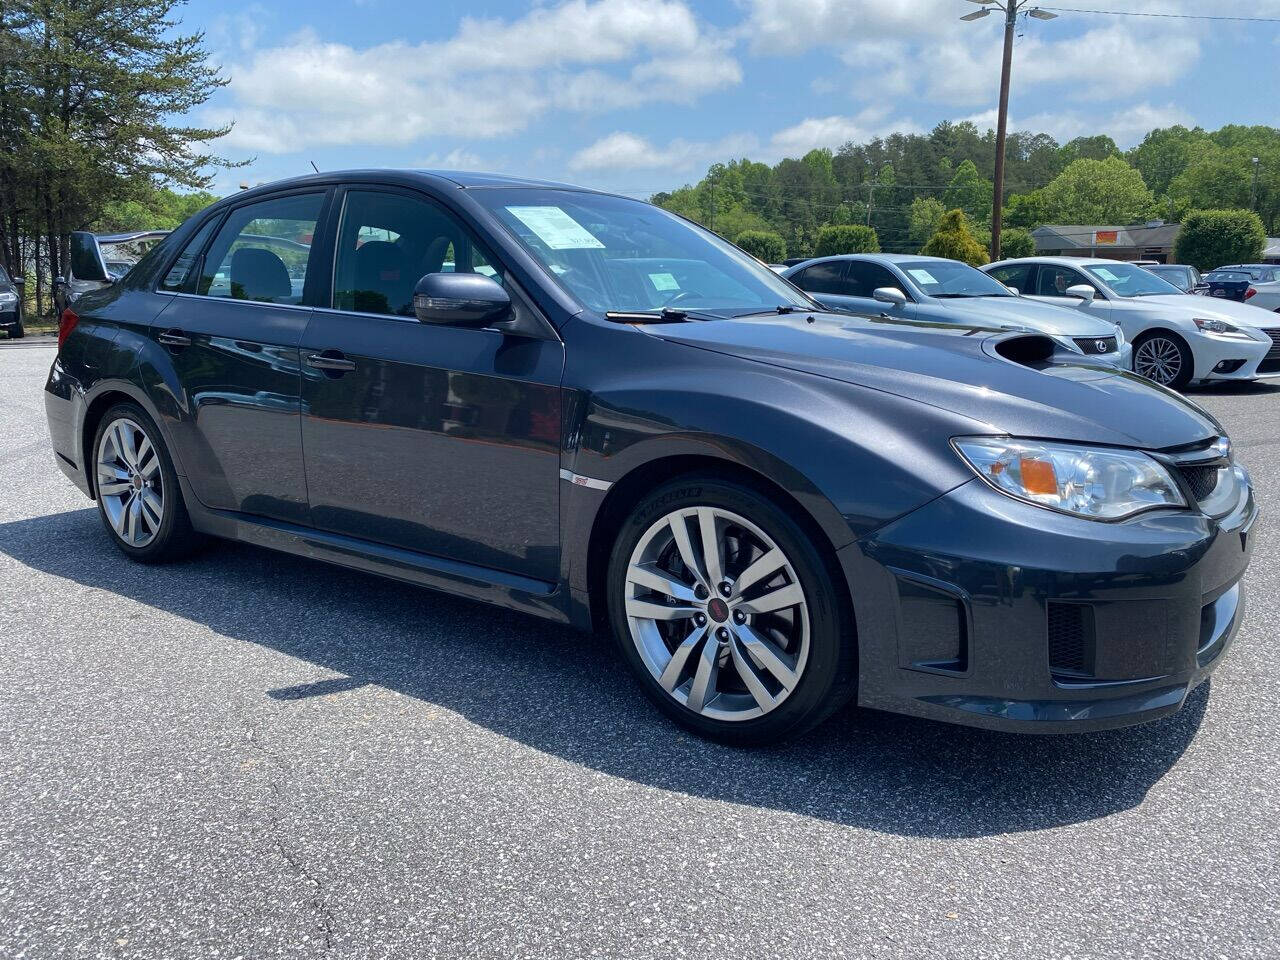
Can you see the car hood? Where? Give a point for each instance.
(957, 369)
(1208, 308)
(1056, 321)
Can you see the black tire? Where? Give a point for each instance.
(16, 332)
(1186, 361)
(174, 537)
(828, 678)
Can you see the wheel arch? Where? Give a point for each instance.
(104, 396)
(630, 489)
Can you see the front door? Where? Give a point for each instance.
(232, 333)
(442, 440)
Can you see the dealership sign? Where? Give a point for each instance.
(1104, 237)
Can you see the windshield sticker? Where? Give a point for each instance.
(1105, 274)
(663, 281)
(922, 276)
(556, 229)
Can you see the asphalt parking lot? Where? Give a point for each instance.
(251, 755)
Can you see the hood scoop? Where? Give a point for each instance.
(1032, 350)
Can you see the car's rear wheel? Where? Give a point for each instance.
(137, 489)
(1163, 358)
(728, 614)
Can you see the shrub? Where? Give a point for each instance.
(954, 241)
(833, 241)
(1210, 238)
(763, 245)
(1016, 242)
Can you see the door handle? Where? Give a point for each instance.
(174, 338)
(332, 361)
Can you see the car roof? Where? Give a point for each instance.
(440, 179)
(878, 258)
(1058, 261)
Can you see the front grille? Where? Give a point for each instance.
(1269, 366)
(1070, 633)
(1097, 345)
(1202, 480)
(1274, 352)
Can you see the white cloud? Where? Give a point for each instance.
(456, 159)
(1126, 126)
(835, 131)
(627, 151)
(792, 26)
(491, 78)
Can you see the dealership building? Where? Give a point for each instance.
(1144, 241)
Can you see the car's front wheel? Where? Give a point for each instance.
(16, 332)
(137, 488)
(728, 614)
(1163, 358)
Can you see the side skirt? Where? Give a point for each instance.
(513, 591)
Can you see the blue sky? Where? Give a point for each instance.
(641, 95)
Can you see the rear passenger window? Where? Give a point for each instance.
(822, 278)
(176, 279)
(262, 251)
(1016, 276)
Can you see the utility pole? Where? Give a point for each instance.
(871, 198)
(1253, 191)
(1011, 9)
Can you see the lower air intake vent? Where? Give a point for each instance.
(1071, 645)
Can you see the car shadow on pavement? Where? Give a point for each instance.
(569, 695)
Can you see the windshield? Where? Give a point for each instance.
(1126, 280)
(620, 255)
(950, 278)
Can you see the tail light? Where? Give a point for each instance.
(1249, 293)
(66, 323)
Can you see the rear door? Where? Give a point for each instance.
(232, 333)
(442, 440)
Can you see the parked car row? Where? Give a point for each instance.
(589, 409)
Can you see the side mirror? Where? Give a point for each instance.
(1014, 290)
(1082, 291)
(460, 299)
(20, 283)
(890, 295)
(86, 258)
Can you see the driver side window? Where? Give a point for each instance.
(388, 241)
(1055, 281)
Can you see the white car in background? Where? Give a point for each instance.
(1176, 338)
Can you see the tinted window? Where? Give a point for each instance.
(950, 278)
(822, 278)
(4, 277)
(865, 277)
(262, 251)
(1126, 280)
(388, 241)
(1017, 275)
(612, 253)
(181, 272)
(1054, 281)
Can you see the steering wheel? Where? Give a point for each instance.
(681, 296)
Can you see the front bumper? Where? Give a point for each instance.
(1246, 359)
(982, 610)
(8, 318)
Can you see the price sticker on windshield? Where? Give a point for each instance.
(556, 229)
(922, 276)
(663, 281)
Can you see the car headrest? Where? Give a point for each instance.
(383, 283)
(258, 274)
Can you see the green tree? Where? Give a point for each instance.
(847, 239)
(1016, 242)
(926, 213)
(1210, 238)
(1165, 153)
(1216, 180)
(763, 245)
(955, 241)
(969, 192)
(92, 99)
(1097, 191)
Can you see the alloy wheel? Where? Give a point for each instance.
(130, 482)
(1158, 359)
(717, 613)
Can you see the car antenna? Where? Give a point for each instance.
(313, 166)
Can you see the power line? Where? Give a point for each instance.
(1162, 16)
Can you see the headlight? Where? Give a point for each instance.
(1119, 337)
(8, 296)
(1094, 482)
(1221, 328)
